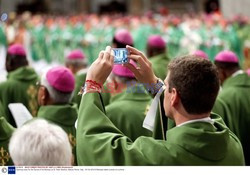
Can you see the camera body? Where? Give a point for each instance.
(120, 55)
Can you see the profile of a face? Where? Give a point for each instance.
(167, 95)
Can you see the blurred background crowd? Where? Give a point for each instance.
(49, 31)
(38, 35)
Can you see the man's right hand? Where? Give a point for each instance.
(143, 72)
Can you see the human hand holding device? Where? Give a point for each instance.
(144, 71)
(101, 67)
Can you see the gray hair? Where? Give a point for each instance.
(57, 96)
(40, 143)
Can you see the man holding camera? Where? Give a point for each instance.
(200, 137)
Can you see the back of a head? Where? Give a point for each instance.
(227, 60)
(201, 54)
(196, 81)
(155, 45)
(122, 38)
(39, 143)
(123, 74)
(16, 57)
(60, 83)
(75, 60)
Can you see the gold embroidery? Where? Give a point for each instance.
(72, 140)
(33, 106)
(4, 157)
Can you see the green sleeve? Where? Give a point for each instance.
(1, 110)
(99, 142)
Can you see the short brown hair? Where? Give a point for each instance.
(196, 81)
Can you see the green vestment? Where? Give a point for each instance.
(64, 116)
(99, 142)
(233, 105)
(20, 87)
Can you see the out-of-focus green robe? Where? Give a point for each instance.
(20, 87)
(233, 105)
(160, 64)
(80, 78)
(127, 111)
(6, 131)
(64, 116)
(99, 142)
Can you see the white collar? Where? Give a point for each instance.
(237, 73)
(206, 119)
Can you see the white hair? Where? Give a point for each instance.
(57, 96)
(40, 143)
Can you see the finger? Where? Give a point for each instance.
(107, 53)
(134, 51)
(138, 59)
(112, 59)
(101, 54)
(133, 69)
(108, 49)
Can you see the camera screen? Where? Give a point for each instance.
(120, 55)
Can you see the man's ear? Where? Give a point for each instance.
(175, 98)
(44, 95)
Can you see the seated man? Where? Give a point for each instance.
(41, 144)
(54, 96)
(200, 137)
(6, 131)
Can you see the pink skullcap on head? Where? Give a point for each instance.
(61, 79)
(226, 56)
(124, 37)
(156, 41)
(16, 49)
(123, 71)
(75, 55)
(201, 54)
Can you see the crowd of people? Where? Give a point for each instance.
(182, 99)
(51, 37)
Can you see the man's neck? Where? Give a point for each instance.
(180, 118)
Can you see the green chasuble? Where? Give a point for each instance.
(80, 78)
(64, 116)
(99, 142)
(160, 64)
(127, 111)
(1, 109)
(233, 104)
(6, 131)
(20, 87)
